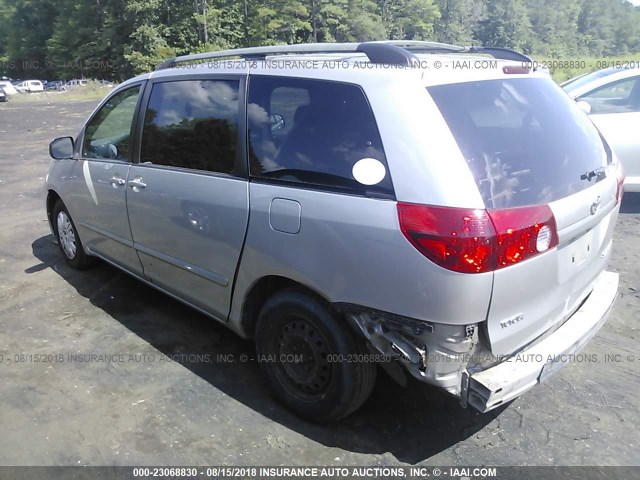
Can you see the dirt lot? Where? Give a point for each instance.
(147, 410)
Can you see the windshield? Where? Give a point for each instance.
(524, 139)
(579, 82)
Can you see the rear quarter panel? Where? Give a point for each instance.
(350, 249)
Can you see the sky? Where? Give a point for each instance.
(635, 2)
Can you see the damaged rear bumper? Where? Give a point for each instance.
(453, 358)
(490, 388)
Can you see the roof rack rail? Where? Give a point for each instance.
(378, 52)
(387, 53)
(498, 53)
(502, 53)
(394, 52)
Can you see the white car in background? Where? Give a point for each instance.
(612, 99)
(8, 87)
(30, 86)
(77, 83)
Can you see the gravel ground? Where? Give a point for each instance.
(147, 409)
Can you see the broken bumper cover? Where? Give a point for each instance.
(488, 389)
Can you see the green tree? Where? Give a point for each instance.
(117, 38)
(505, 24)
(363, 22)
(5, 18)
(554, 24)
(328, 20)
(218, 25)
(457, 21)
(627, 29)
(160, 29)
(409, 19)
(595, 28)
(88, 39)
(29, 26)
(272, 22)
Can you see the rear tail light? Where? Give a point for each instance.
(457, 239)
(523, 233)
(476, 240)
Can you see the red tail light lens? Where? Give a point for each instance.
(458, 239)
(523, 233)
(476, 241)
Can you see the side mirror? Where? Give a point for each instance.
(584, 106)
(277, 122)
(61, 148)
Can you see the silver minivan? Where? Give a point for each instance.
(432, 210)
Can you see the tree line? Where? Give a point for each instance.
(114, 39)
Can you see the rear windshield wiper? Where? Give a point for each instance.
(598, 174)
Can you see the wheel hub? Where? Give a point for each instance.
(66, 237)
(303, 356)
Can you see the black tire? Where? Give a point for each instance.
(331, 382)
(75, 258)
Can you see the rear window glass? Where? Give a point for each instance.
(524, 139)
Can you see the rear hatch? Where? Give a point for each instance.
(532, 150)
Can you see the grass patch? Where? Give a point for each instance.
(92, 91)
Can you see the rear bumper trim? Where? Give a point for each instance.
(502, 383)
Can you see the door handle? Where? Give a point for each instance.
(117, 181)
(137, 184)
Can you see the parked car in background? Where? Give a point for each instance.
(3, 96)
(56, 85)
(436, 224)
(105, 83)
(30, 86)
(8, 87)
(611, 97)
(35, 86)
(77, 83)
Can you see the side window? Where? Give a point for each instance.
(622, 96)
(107, 134)
(285, 102)
(192, 124)
(315, 132)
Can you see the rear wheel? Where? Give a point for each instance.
(316, 365)
(68, 239)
